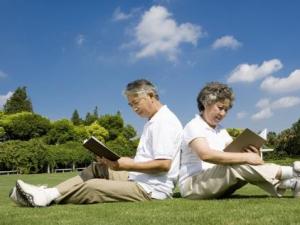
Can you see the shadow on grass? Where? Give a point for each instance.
(238, 196)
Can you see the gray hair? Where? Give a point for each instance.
(140, 87)
(214, 92)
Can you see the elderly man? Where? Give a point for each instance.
(151, 174)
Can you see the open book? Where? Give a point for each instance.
(246, 138)
(97, 147)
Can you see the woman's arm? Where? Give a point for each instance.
(201, 147)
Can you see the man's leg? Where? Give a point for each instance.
(39, 196)
(95, 170)
(102, 190)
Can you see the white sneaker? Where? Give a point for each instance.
(17, 197)
(296, 167)
(35, 196)
(296, 186)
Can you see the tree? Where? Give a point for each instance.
(123, 146)
(288, 141)
(91, 117)
(24, 156)
(271, 139)
(97, 131)
(129, 132)
(76, 118)
(113, 123)
(234, 132)
(95, 114)
(24, 125)
(18, 102)
(61, 132)
(2, 133)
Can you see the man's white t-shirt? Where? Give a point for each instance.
(217, 139)
(161, 139)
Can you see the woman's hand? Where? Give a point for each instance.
(252, 149)
(253, 158)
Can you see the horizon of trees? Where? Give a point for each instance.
(31, 143)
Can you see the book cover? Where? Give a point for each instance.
(246, 138)
(100, 149)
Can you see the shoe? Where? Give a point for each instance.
(17, 197)
(35, 196)
(296, 168)
(296, 188)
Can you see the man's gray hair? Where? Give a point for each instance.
(214, 92)
(140, 87)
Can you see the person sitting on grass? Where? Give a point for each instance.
(150, 175)
(207, 172)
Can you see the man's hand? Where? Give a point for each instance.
(124, 163)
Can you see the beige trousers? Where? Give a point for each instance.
(98, 184)
(221, 181)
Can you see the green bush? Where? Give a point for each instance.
(61, 132)
(23, 156)
(113, 123)
(68, 155)
(97, 131)
(123, 146)
(24, 125)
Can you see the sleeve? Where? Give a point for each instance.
(166, 139)
(192, 131)
(227, 137)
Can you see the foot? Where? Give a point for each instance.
(35, 196)
(296, 167)
(296, 188)
(17, 197)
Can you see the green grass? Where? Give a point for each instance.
(249, 205)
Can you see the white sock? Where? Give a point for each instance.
(287, 184)
(287, 172)
(52, 193)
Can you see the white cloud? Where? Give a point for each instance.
(118, 15)
(250, 73)
(263, 114)
(263, 103)
(285, 102)
(241, 115)
(80, 39)
(267, 107)
(3, 98)
(280, 85)
(226, 42)
(2, 74)
(158, 33)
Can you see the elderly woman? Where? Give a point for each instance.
(208, 172)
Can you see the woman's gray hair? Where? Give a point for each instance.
(140, 87)
(214, 92)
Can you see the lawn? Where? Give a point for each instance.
(249, 205)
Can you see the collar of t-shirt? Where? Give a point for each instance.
(158, 114)
(206, 126)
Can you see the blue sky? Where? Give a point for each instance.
(81, 54)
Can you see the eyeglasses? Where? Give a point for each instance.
(136, 102)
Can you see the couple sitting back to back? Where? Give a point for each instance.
(204, 170)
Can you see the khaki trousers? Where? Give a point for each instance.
(221, 181)
(98, 184)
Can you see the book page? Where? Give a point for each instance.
(246, 138)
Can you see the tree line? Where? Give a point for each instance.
(31, 143)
